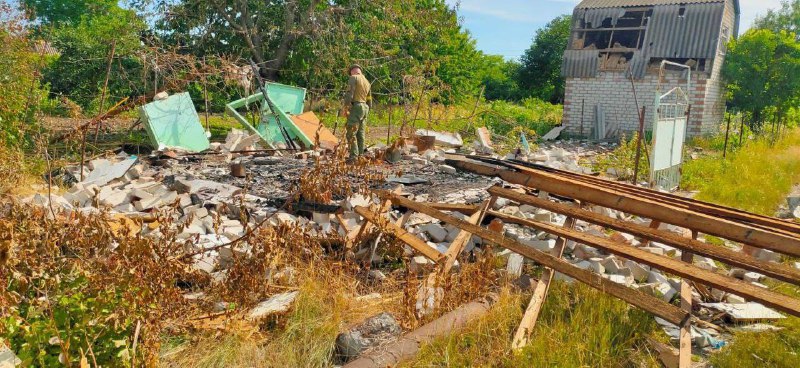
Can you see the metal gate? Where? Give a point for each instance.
(669, 132)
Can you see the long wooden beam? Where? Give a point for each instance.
(675, 267)
(738, 259)
(761, 221)
(639, 299)
(639, 206)
(412, 240)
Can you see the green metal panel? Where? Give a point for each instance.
(286, 100)
(173, 123)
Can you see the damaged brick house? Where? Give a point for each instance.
(614, 40)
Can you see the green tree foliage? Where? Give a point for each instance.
(763, 73)
(311, 43)
(499, 76)
(540, 74)
(85, 46)
(19, 89)
(787, 18)
(58, 12)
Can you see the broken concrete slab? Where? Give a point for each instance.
(437, 233)
(553, 133)
(105, 171)
(747, 312)
(276, 304)
(443, 138)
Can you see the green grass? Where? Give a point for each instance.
(578, 327)
(756, 178)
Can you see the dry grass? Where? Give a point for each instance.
(578, 327)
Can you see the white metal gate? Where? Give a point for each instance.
(669, 131)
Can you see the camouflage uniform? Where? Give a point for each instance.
(355, 102)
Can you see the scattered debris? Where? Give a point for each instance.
(370, 333)
(442, 138)
(747, 312)
(553, 133)
(277, 304)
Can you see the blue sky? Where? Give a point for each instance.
(507, 27)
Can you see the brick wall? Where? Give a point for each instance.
(613, 91)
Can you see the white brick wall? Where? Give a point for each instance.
(613, 91)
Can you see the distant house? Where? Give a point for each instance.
(613, 40)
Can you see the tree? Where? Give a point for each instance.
(762, 70)
(787, 18)
(310, 43)
(79, 72)
(499, 76)
(540, 73)
(59, 12)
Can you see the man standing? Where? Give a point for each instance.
(356, 110)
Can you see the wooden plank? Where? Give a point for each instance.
(522, 336)
(639, 206)
(467, 209)
(463, 237)
(412, 240)
(644, 301)
(685, 334)
(765, 222)
(678, 268)
(737, 259)
(352, 236)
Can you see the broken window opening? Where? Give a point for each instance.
(614, 61)
(626, 35)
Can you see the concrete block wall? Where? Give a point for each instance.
(613, 91)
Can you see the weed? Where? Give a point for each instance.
(623, 159)
(755, 178)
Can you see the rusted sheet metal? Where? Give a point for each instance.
(639, 299)
(738, 259)
(639, 206)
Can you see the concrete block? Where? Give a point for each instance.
(541, 245)
(436, 232)
(768, 255)
(543, 215)
(640, 272)
(597, 265)
(753, 277)
(448, 169)
(514, 265)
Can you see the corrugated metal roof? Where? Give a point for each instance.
(580, 63)
(695, 35)
(594, 4)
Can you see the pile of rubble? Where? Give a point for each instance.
(212, 207)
